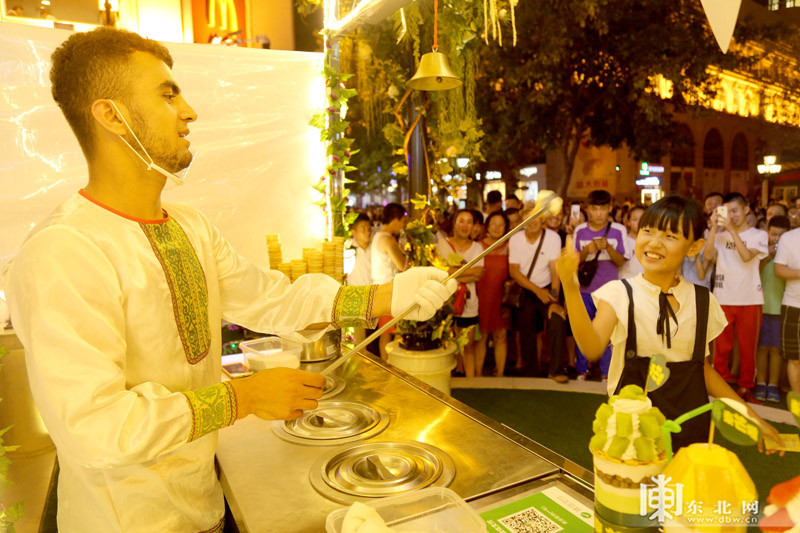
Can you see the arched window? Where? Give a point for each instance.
(740, 153)
(682, 154)
(713, 151)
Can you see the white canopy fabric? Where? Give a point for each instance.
(257, 157)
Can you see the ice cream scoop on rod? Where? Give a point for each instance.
(547, 203)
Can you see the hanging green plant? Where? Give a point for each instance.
(452, 127)
(333, 128)
(382, 58)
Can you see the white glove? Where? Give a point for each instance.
(423, 286)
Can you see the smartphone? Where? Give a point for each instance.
(722, 215)
(575, 211)
(236, 370)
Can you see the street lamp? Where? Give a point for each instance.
(767, 169)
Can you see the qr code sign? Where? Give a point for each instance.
(529, 521)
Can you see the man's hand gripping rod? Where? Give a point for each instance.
(547, 203)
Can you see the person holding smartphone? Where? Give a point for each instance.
(576, 217)
(738, 249)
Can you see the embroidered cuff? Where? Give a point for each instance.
(352, 307)
(212, 407)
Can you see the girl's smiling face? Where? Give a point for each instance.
(669, 231)
(661, 251)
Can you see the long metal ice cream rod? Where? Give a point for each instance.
(544, 205)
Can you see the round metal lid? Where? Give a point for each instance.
(333, 423)
(333, 386)
(377, 469)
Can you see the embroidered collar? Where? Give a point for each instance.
(123, 215)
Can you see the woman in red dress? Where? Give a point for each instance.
(490, 295)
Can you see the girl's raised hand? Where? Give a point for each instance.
(567, 265)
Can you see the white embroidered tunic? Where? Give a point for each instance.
(120, 319)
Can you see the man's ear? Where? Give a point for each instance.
(107, 117)
(696, 247)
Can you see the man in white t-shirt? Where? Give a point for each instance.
(539, 300)
(787, 266)
(463, 246)
(738, 248)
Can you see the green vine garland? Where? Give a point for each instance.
(333, 128)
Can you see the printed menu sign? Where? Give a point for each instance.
(734, 423)
(548, 511)
(791, 443)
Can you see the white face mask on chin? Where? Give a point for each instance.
(177, 178)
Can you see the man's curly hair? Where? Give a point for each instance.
(94, 65)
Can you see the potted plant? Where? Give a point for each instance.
(420, 248)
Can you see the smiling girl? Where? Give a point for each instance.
(657, 312)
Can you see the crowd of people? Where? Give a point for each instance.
(746, 262)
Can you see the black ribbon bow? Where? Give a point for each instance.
(664, 313)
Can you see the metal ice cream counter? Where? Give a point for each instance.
(381, 432)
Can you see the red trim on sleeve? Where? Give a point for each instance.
(123, 215)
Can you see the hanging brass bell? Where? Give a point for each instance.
(434, 74)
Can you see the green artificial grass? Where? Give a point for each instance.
(562, 421)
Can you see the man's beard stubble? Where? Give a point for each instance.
(170, 161)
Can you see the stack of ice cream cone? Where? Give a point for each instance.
(314, 259)
(274, 250)
(286, 269)
(329, 258)
(338, 265)
(299, 268)
(329, 261)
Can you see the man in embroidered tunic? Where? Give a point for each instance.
(118, 301)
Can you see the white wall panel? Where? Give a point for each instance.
(257, 155)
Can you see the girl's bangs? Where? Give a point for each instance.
(675, 214)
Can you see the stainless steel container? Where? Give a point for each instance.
(328, 347)
(272, 483)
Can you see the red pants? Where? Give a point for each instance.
(747, 320)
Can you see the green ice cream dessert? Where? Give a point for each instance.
(628, 452)
(628, 427)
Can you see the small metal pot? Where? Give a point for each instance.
(327, 347)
